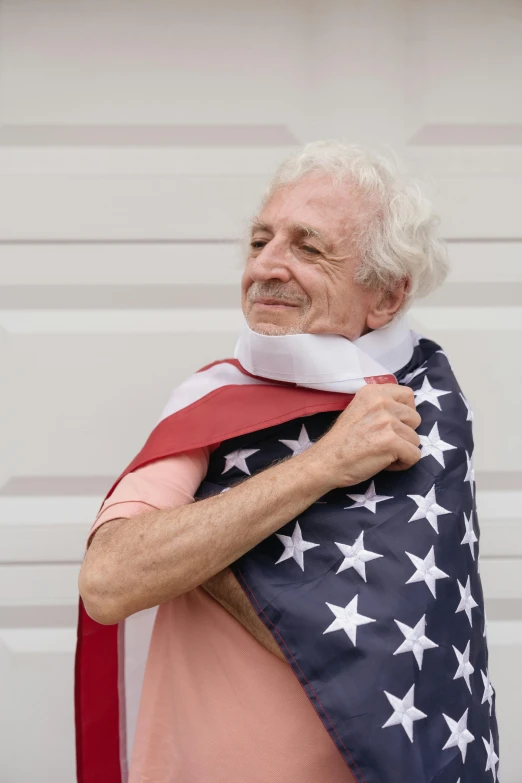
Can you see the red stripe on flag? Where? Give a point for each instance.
(96, 702)
(228, 412)
(382, 379)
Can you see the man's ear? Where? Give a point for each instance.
(387, 304)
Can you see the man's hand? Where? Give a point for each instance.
(225, 588)
(376, 432)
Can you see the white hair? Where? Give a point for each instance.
(399, 239)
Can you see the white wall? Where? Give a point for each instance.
(135, 139)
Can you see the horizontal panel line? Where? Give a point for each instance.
(159, 241)
(436, 320)
(125, 297)
(498, 481)
(39, 563)
(56, 486)
(182, 135)
(475, 294)
(207, 241)
(66, 615)
(425, 319)
(482, 240)
(131, 297)
(55, 616)
(14, 563)
(167, 320)
(468, 134)
(507, 609)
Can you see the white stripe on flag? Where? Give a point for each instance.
(202, 383)
(137, 633)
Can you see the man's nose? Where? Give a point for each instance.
(271, 263)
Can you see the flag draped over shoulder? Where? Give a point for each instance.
(373, 594)
(219, 402)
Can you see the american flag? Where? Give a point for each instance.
(374, 594)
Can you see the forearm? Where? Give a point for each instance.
(141, 562)
(225, 588)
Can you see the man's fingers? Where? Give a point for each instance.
(402, 394)
(406, 448)
(408, 416)
(405, 395)
(408, 434)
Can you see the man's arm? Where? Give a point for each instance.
(133, 564)
(141, 562)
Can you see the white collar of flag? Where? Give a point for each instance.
(326, 361)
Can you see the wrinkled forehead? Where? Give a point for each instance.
(313, 206)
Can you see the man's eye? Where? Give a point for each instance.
(257, 244)
(311, 250)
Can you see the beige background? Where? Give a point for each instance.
(135, 139)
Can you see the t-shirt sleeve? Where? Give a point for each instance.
(165, 483)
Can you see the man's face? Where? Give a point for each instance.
(299, 273)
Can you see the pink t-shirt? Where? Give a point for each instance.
(216, 706)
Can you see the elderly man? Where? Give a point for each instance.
(351, 644)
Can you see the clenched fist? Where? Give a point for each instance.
(374, 433)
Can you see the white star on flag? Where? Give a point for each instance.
(488, 690)
(369, 500)
(492, 759)
(428, 508)
(469, 414)
(300, 445)
(434, 446)
(469, 536)
(467, 602)
(404, 712)
(356, 556)
(426, 571)
(411, 375)
(237, 459)
(427, 393)
(465, 668)
(460, 735)
(470, 472)
(347, 619)
(294, 546)
(414, 640)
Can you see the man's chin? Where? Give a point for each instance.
(274, 330)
